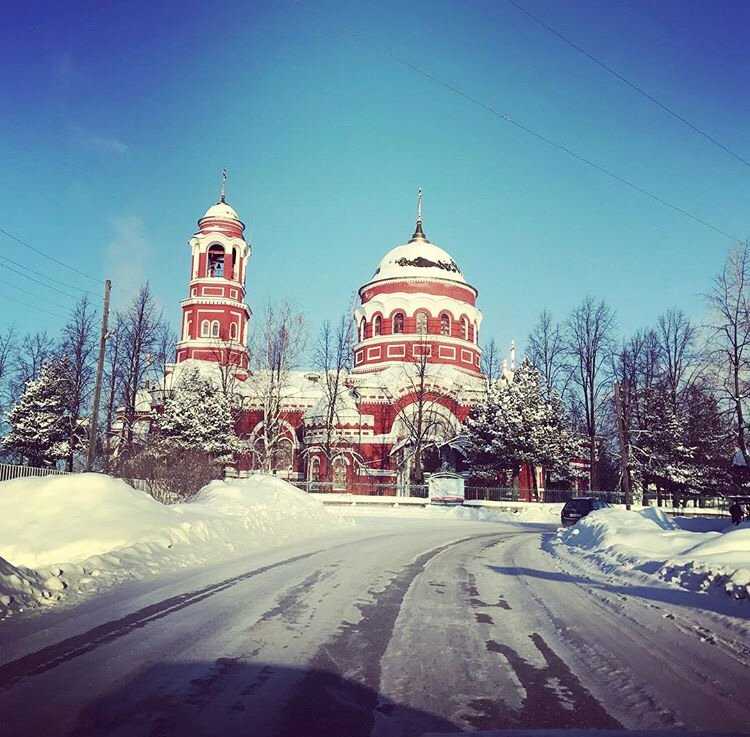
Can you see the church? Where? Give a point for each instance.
(414, 376)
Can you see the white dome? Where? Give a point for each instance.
(223, 211)
(418, 258)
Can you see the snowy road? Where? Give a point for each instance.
(400, 627)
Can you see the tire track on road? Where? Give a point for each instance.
(339, 696)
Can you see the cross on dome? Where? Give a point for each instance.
(223, 194)
(418, 232)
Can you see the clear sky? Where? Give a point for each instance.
(117, 119)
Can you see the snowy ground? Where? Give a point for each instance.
(706, 555)
(63, 538)
(370, 625)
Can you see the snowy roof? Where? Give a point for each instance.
(222, 210)
(418, 258)
(347, 412)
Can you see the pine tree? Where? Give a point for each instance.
(40, 423)
(197, 416)
(517, 424)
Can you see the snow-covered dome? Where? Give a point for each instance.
(347, 412)
(418, 258)
(223, 211)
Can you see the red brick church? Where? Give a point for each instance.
(415, 375)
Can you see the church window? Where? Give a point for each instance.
(233, 331)
(215, 329)
(445, 324)
(398, 322)
(465, 328)
(377, 325)
(313, 471)
(216, 260)
(362, 326)
(205, 329)
(339, 474)
(422, 323)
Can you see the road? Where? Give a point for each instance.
(400, 627)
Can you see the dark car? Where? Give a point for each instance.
(579, 507)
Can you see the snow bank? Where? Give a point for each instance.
(471, 511)
(81, 532)
(531, 512)
(695, 554)
(64, 519)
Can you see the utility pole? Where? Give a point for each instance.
(620, 406)
(99, 375)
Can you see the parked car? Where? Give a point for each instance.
(578, 507)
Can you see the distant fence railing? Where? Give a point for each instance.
(10, 471)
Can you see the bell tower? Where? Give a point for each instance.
(215, 317)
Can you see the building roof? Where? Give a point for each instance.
(418, 258)
(223, 211)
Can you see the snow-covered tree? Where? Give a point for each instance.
(39, 421)
(197, 416)
(519, 424)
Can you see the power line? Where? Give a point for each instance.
(562, 147)
(34, 308)
(31, 278)
(630, 84)
(47, 256)
(24, 292)
(24, 267)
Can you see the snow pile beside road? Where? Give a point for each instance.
(699, 555)
(532, 512)
(79, 533)
(55, 519)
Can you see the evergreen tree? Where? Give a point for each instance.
(197, 416)
(518, 424)
(40, 423)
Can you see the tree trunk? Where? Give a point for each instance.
(593, 476)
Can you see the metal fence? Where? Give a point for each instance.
(10, 471)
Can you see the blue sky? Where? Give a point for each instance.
(117, 119)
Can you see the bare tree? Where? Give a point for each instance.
(333, 358)
(77, 347)
(491, 362)
(141, 324)
(7, 350)
(278, 345)
(164, 352)
(676, 335)
(589, 338)
(548, 353)
(731, 334)
(35, 350)
(426, 418)
(113, 382)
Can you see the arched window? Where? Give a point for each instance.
(282, 458)
(445, 324)
(377, 325)
(339, 473)
(186, 327)
(233, 331)
(216, 260)
(362, 327)
(476, 332)
(465, 327)
(422, 323)
(313, 472)
(205, 329)
(215, 329)
(398, 322)
(234, 264)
